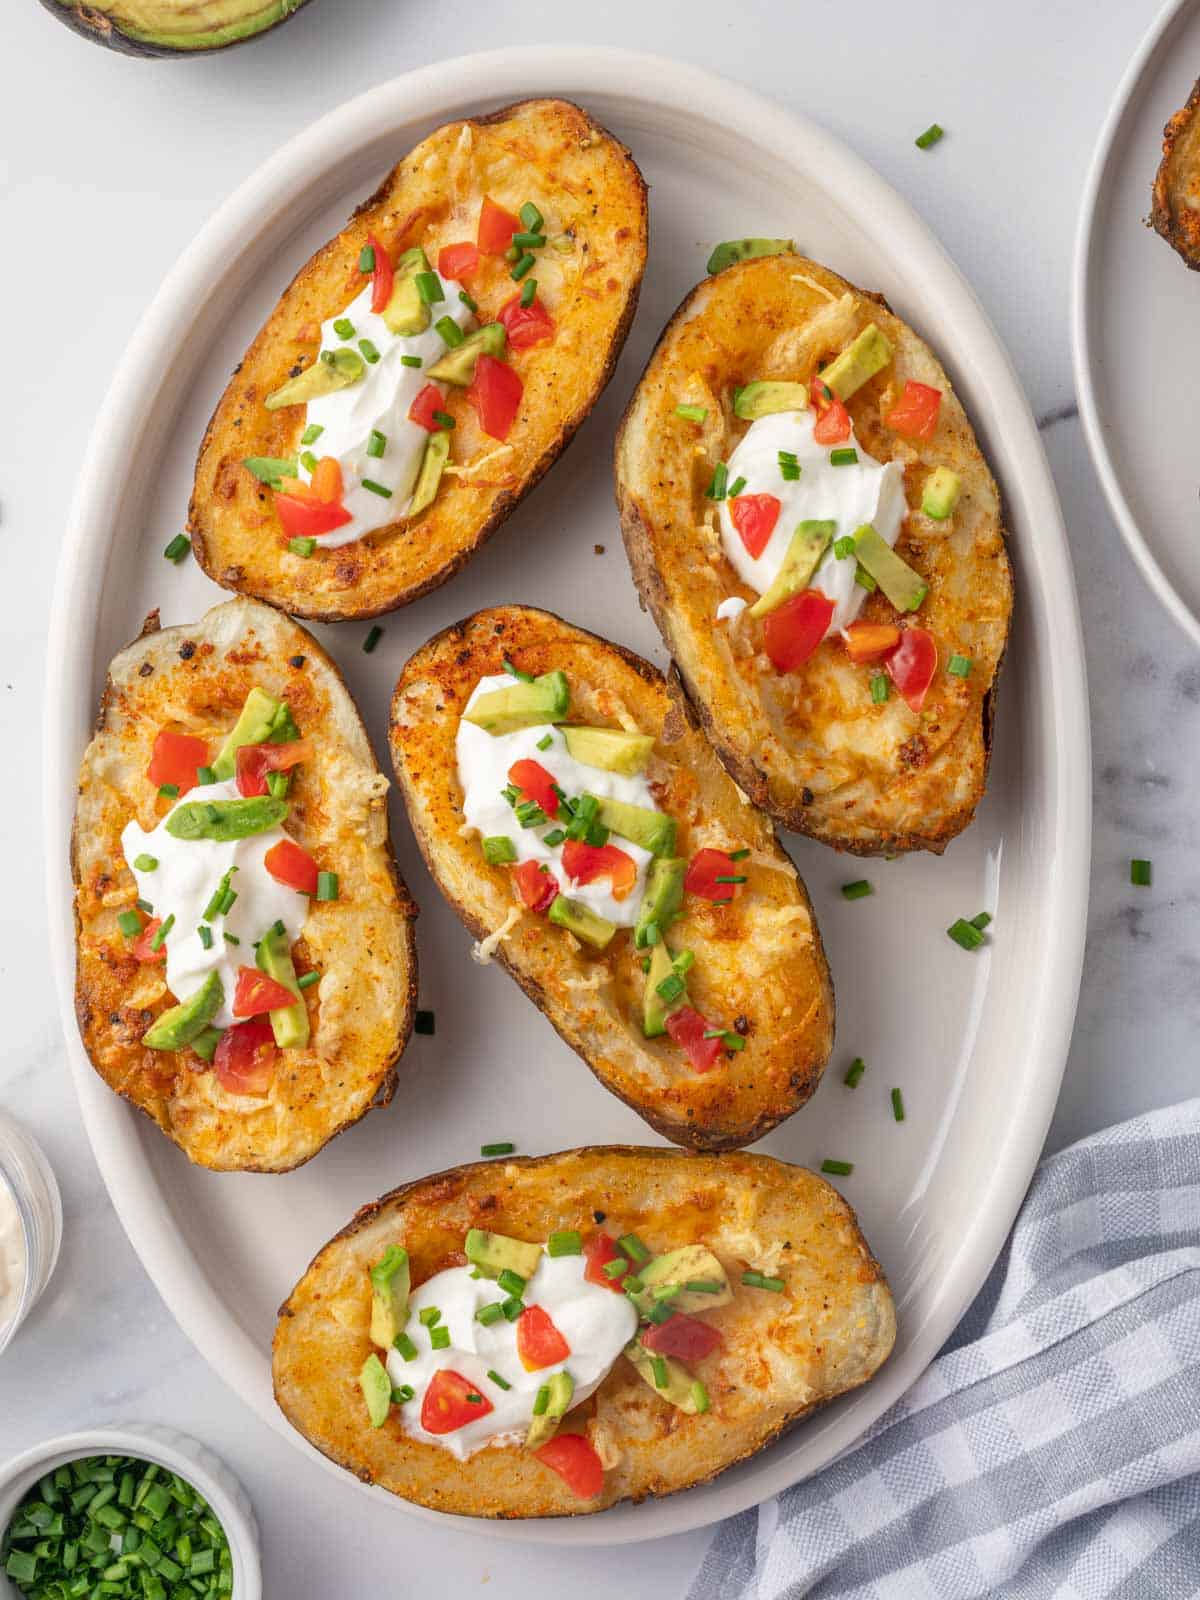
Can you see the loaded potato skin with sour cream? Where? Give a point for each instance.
(245, 961)
(642, 905)
(425, 367)
(792, 1311)
(810, 519)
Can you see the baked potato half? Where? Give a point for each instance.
(230, 842)
(789, 1309)
(1175, 212)
(688, 971)
(435, 413)
(847, 681)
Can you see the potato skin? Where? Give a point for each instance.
(783, 1354)
(1177, 182)
(195, 678)
(810, 747)
(585, 182)
(759, 958)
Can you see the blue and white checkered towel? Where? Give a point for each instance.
(1053, 1448)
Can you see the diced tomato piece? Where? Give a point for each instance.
(525, 325)
(705, 867)
(254, 761)
(792, 632)
(915, 414)
(575, 1460)
(539, 1343)
(536, 886)
(141, 945)
(912, 664)
(451, 1402)
(459, 261)
(309, 519)
(754, 517)
(245, 1057)
(256, 993)
(496, 228)
(870, 641)
(327, 480)
(382, 277)
(429, 400)
(687, 1028)
(686, 1338)
(584, 863)
(598, 1251)
(535, 784)
(290, 864)
(833, 420)
(495, 392)
(176, 758)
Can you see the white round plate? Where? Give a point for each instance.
(977, 1042)
(1136, 325)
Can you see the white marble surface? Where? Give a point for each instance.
(111, 165)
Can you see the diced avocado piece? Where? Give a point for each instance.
(206, 1041)
(612, 749)
(253, 726)
(940, 494)
(663, 899)
(859, 361)
(437, 453)
(226, 819)
(582, 922)
(522, 705)
(731, 250)
(492, 1253)
(389, 1296)
(544, 1426)
(653, 830)
(809, 543)
(406, 313)
(332, 370)
(283, 725)
(376, 1389)
(679, 1388)
(692, 1263)
(458, 365)
(186, 1021)
(902, 586)
(654, 1007)
(764, 399)
(145, 28)
(289, 1023)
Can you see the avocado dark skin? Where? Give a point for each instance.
(172, 27)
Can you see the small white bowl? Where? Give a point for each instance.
(28, 1178)
(148, 1441)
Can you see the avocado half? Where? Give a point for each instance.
(171, 27)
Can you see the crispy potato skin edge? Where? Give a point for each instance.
(1162, 215)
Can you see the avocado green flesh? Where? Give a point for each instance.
(226, 820)
(458, 365)
(610, 749)
(678, 1388)
(765, 398)
(406, 313)
(492, 1253)
(653, 830)
(541, 1428)
(175, 25)
(522, 705)
(289, 1024)
(903, 587)
(437, 453)
(390, 1284)
(663, 899)
(376, 1389)
(808, 545)
(691, 1263)
(730, 251)
(582, 922)
(254, 725)
(858, 363)
(186, 1021)
(941, 492)
(654, 1007)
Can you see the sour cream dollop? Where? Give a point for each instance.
(378, 403)
(866, 491)
(483, 763)
(182, 884)
(596, 1324)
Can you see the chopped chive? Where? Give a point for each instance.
(617, 1268)
(499, 850)
(541, 1401)
(162, 931)
(738, 485)
(528, 291)
(366, 258)
(529, 241)
(307, 979)
(854, 1073)
(897, 1105)
(410, 361)
(684, 961)
(731, 877)
(178, 548)
(327, 885)
(844, 547)
(515, 671)
(982, 920)
(308, 461)
(425, 1022)
(658, 1366)
(666, 1291)
(511, 1282)
(661, 1311)
(700, 1397)
(372, 639)
(428, 1315)
(965, 934)
(302, 547)
(545, 741)
(205, 776)
(716, 489)
(692, 413)
(269, 469)
(129, 923)
(531, 217)
(439, 1338)
(344, 328)
(858, 890)
(380, 489)
(402, 1394)
(789, 467)
(501, 1383)
(489, 1313)
(521, 267)
(312, 433)
(632, 1285)
(555, 836)
(512, 1307)
(566, 1242)
(959, 666)
(670, 988)
(839, 1169)
(864, 580)
(761, 1280)
(503, 1147)
(231, 938)
(145, 863)
(443, 419)
(703, 1286)
(429, 287)
(843, 458)
(450, 331)
(405, 1346)
(739, 855)
(1140, 873)
(880, 688)
(370, 351)
(632, 1246)
(932, 134)
(471, 305)
(205, 935)
(376, 444)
